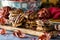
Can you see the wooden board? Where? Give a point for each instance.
(55, 20)
(26, 31)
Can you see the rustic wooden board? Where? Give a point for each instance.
(55, 20)
(26, 31)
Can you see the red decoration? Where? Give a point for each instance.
(2, 21)
(55, 12)
(45, 36)
(19, 34)
(4, 13)
(2, 31)
(43, 13)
